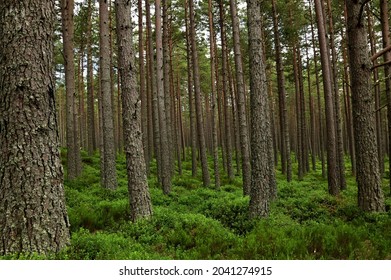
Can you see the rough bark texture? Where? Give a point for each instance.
(370, 195)
(33, 217)
(262, 166)
(243, 129)
(384, 15)
(165, 170)
(197, 95)
(109, 172)
(139, 197)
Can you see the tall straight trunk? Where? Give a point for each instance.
(375, 75)
(153, 91)
(243, 129)
(193, 132)
(197, 95)
(33, 215)
(332, 170)
(139, 197)
(165, 170)
(109, 173)
(90, 84)
(370, 195)
(320, 114)
(212, 46)
(286, 163)
(73, 145)
(262, 171)
(384, 17)
(337, 106)
(168, 93)
(225, 81)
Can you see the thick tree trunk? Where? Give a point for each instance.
(139, 197)
(370, 195)
(262, 170)
(33, 216)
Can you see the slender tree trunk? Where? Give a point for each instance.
(109, 173)
(370, 195)
(332, 170)
(139, 197)
(262, 171)
(90, 84)
(197, 94)
(243, 129)
(212, 45)
(224, 55)
(33, 216)
(193, 138)
(286, 164)
(73, 145)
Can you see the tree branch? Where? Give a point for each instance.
(380, 53)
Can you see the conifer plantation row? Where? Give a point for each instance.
(183, 129)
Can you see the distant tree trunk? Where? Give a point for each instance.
(212, 45)
(73, 145)
(197, 94)
(370, 195)
(225, 81)
(90, 84)
(332, 170)
(262, 171)
(243, 129)
(33, 216)
(337, 106)
(193, 132)
(376, 83)
(139, 197)
(109, 173)
(284, 132)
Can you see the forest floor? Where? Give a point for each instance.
(194, 222)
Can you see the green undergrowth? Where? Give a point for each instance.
(194, 222)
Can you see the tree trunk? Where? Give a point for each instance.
(286, 164)
(197, 94)
(262, 171)
(370, 195)
(140, 200)
(243, 130)
(225, 81)
(33, 216)
(332, 170)
(212, 45)
(90, 85)
(73, 145)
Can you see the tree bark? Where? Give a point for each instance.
(33, 216)
(262, 171)
(370, 195)
(139, 197)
